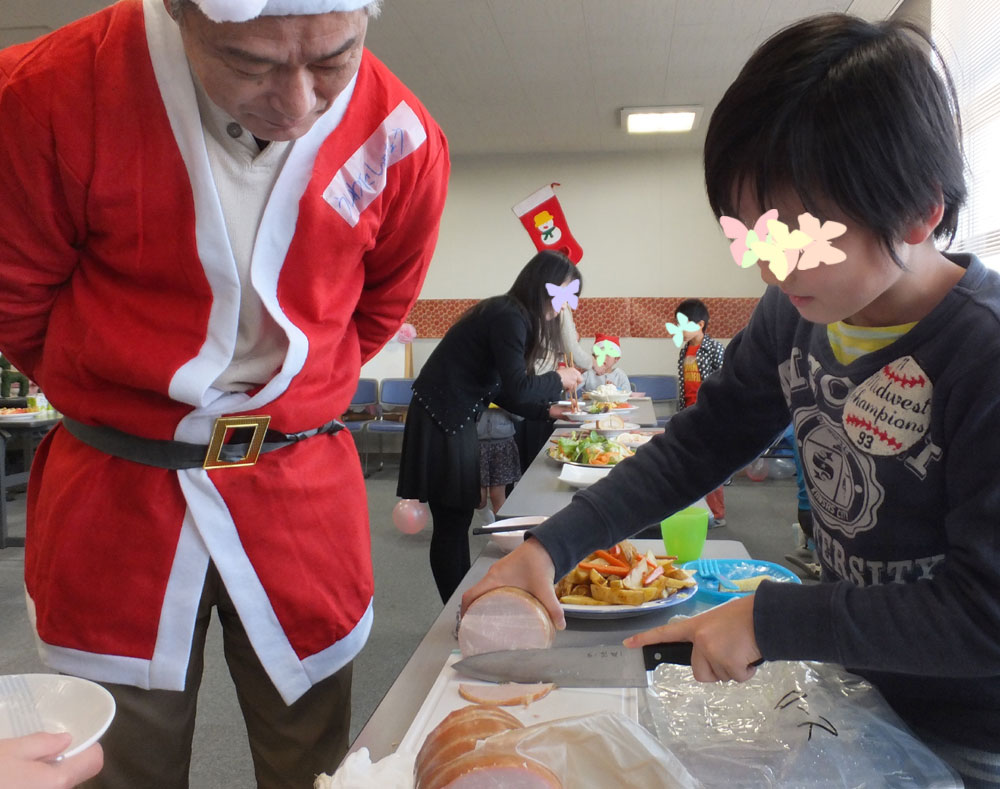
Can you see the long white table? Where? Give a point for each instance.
(29, 430)
(539, 491)
(391, 719)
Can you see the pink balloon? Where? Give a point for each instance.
(410, 515)
(757, 471)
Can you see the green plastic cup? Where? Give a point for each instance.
(684, 533)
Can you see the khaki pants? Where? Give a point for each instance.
(148, 745)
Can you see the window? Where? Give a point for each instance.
(968, 34)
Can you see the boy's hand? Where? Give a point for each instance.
(724, 643)
(527, 567)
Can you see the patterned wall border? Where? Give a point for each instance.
(626, 317)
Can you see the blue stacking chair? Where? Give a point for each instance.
(363, 408)
(393, 400)
(659, 388)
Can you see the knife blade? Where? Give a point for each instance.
(603, 666)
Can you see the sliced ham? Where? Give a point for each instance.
(485, 770)
(505, 695)
(458, 734)
(505, 618)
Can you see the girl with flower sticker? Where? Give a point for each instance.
(488, 355)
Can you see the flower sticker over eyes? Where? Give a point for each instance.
(676, 331)
(604, 349)
(564, 294)
(783, 249)
(744, 237)
(820, 250)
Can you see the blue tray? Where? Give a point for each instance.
(708, 588)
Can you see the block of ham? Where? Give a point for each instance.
(505, 695)
(493, 770)
(505, 618)
(459, 732)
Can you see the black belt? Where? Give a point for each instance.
(181, 454)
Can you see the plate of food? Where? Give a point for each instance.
(58, 703)
(609, 408)
(609, 424)
(635, 440)
(588, 449)
(623, 582)
(578, 416)
(607, 393)
(20, 414)
(747, 574)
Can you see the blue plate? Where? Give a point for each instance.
(708, 588)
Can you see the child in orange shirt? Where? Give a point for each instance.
(700, 357)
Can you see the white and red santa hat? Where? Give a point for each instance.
(606, 345)
(243, 10)
(610, 338)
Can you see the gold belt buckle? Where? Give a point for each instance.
(222, 426)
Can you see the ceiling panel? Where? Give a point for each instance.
(526, 76)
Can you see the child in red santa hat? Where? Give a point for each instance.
(607, 352)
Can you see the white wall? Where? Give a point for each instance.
(643, 221)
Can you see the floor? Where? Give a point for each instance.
(759, 514)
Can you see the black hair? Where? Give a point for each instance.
(846, 111)
(530, 294)
(694, 310)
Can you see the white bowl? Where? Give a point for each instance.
(507, 541)
(63, 703)
(583, 476)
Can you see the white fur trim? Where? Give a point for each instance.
(242, 10)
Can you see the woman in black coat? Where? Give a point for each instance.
(488, 355)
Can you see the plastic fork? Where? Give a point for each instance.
(711, 567)
(22, 713)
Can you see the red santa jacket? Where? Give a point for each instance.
(119, 296)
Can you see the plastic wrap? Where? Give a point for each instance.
(793, 724)
(594, 750)
(599, 749)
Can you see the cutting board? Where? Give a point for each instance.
(560, 703)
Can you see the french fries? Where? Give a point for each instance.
(621, 576)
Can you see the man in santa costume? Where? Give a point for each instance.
(214, 212)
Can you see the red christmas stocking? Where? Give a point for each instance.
(543, 218)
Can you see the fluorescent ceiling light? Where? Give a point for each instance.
(658, 120)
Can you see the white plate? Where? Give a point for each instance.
(581, 416)
(507, 541)
(25, 417)
(626, 611)
(582, 476)
(608, 430)
(628, 409)
(79, 706)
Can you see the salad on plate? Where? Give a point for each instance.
(590, 449)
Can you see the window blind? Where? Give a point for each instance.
(968, 34)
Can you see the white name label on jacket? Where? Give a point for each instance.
(362, 177)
